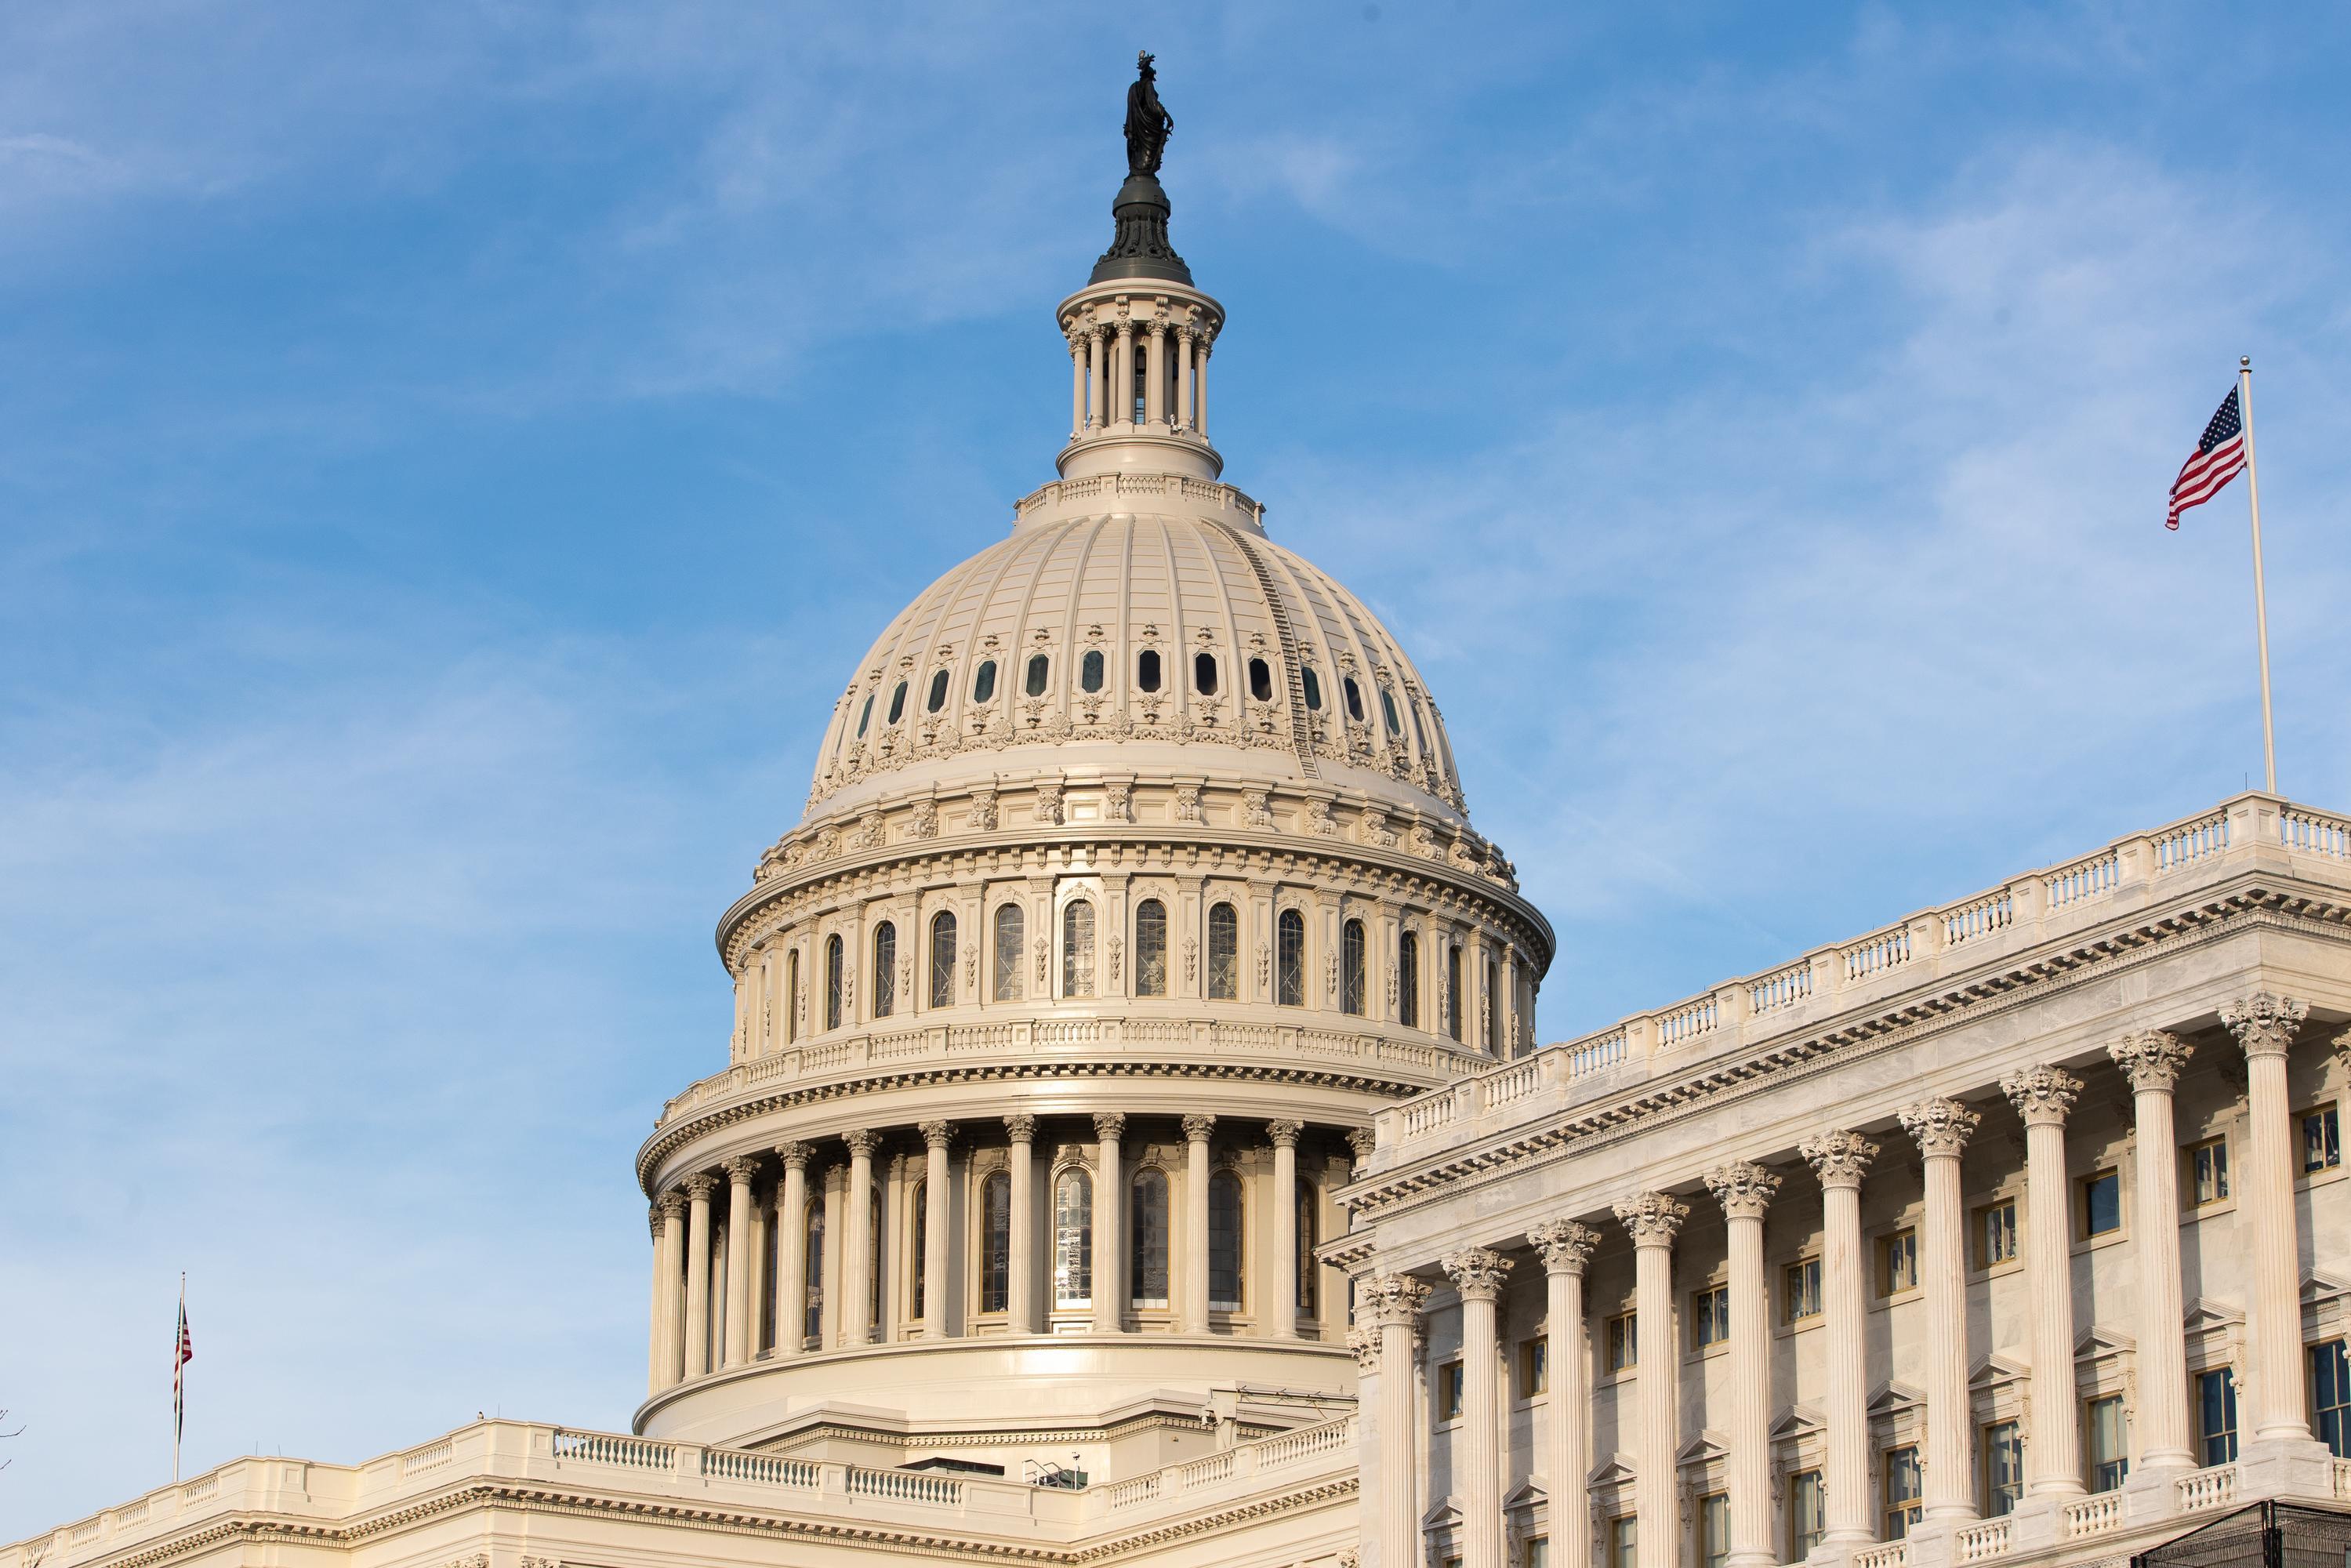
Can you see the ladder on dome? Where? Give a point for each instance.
(1301, 736)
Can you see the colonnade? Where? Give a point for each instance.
(1389, 1346)
(1103, 357)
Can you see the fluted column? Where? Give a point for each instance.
(1281, 1310)
(2264, 1026)
(1840, 1158)
(1020, 1288)
(936, 1136)
(1077, 384)
(1394, 1305)
(1566, 1248)
(1477, 1274)
(653, 1309)
(1154, 376)
(1184, 337)
(1197, 1128)
(1745, 1190)
(1123, 377)
(671, 1324)
(1095, 379)
(1110, 1229)
(792, 1248)
(740, 1171)
(1941, 1129)
(2042, 1096)
(1652, 1219)
(856, 1314)
(698, 1189)
(2151, 1059)
(1200, 386)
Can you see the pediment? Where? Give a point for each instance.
(1892, 1397)
(1445, 1514)
(1997, 1371)
(1797, 1421)
(2319, 1286)
(2101, 1340)
(1616, 1470)
(2204, 1314)
(1530, 1492)
(1706, 1446)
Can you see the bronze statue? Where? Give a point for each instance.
(1147, 120)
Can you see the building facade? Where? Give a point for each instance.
(1131, 1144)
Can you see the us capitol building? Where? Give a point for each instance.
(1132, 1147)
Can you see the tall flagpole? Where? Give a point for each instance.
(179, 1327)
(2261, 600)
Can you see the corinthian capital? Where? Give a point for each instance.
(1566, 1245)
(1284, 1135)
(700, 1185)
(862, 1141)
(1197, 1126)
(795, 1155)
(2041, 1095)
(1020, 1129)
(937, 1135)
(2151, 1059)
(1109, 1126)
(1477, 1272)
(1397, 1299)
(1365, 1345)
(1840, 1158)
(1940, 1126)
(2265, 1024)
(742, 1169)
(670, 1205)
(1744, 1188)
(1652, 1218)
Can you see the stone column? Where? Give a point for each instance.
(2151, 1059)
(1122, 376)
(740, 1171)
(2264, 1026)
(2042, 1096)
(1096, 417)
(1566, 1248)
(1395, 1303)
(856, 1315)
(791, 1249)
(1020, 1286)
(760, 1290)
(670, 1326)
(654, 1309)
(1941, 1129)
(1745, 1190)
(1477, 1275)
(1077, 384)
(1184, 339)
(698, 1189)
(1840, 1157)
(1652, 1219)
(1200, 386)
(936, 1224)
(1110, 1229)
(1155, 372)
(1281, 1310)
(1197, 1128)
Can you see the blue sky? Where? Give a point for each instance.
(450, 456)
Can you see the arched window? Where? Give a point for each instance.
(1146, 670)
(1493, 1009)
(1354, 697)
(1453, 992)
(1090, 670)
(865, 715)
(812, 1309)
(1313, 691)
(1151, 948)
(1290, 960)
(874, 1257)
(938, 698)
(898, 701)
(1146, 1231)
(1204, 674)
(1073, 1238)
(1261, 680)
(1350, 968)
(885, 969)
(995, 1243)
(1387, 709)
(943, 958)
(1078, 948)
(1408, 980)
(983, 684)
(791, 995)
(1040, 666)
(1224, 954)
(1308, 1269)
(833, 982)
(1008, 938)
(919, 1228)
(1224, 1241)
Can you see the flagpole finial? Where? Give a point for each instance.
(2244, 361)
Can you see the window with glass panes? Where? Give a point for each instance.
(2216, 1416)
(1800, 1291)
(2207, 1166)
(2101, 1203)
(2330, 1396)
(1536, 1553)
(1448, 1392)
(1534, 1367)
(2322, 1139)
(2105, 1462)
(1897, 1262)
(1621, 1342)
(1808, 1514)
(1905, 1490)
(2003, 1469)
(1714, 1531)
(1995, 1231)
(1709, 1316)
(1624, 1542)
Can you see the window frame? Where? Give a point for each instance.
(943, 958)
(1709, 1319)
(2104, 1472)
(1354, 968)
(1222, 1181)
(1150, 948)
(1007, 966)
(2209, 1438)
(2085, 1186)
(1710, 1525)
(2329, 1115)
(1073, 1238)
(1899, 1514)
(1620, 1341)
(1803, 1542)
(1290, 985)
(884, 947)
(1138, 1261)
(1979, 1233)
(993, 1277)
(1080, 941)
(1221, 981)
(2204, 1168)
(1534, 1367)
(1998, 1500)
(1450, 1393)
(1408, 978)
(1800, 1283)
(2331, 1419)
(1902, 1241)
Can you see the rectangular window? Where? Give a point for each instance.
(1714, 1531)
(1624, 1346)
(2107, 1460)
(1448, 1392)
(1624, 1542)
(2207, 1165)
(1995, 1229)
(2102, 1203)
(2216, 1416)
(1534, 1367)
(2330, 1396)
(2003, 1469)
(1905, 1489)
(2322, 1140)
(1709, 1316)
(1808, 1514)
(1897, 1264)
(1537, 1553)
(1800, 1291)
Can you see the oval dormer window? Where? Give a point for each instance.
(938, 698)
(1090, 670)
(1260, 680)
(1354, 697)
(898, 703)
(864, 715)
(983, 684)
(1204, 674)
(1039, 667)
(1313, 691)
(1146, 670)
(1387, 708)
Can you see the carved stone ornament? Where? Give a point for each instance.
(742, 1169)
(1652, 1218)
(1020, 1129)
(1365, 1345)
(1118, 803)
(1477, 1272)
(1375, 828)
(1939, 1127)
(1319, 819)
(2042, 1094)
(1838, 1157)
(983, 809)
(2151, 1059)
(1191, 960)
(2264, 1025)
(1044, 954)
(1108, 1125)
(1257, 811)
(670, 1205)
(862, 1141)
(700, 1185)
(1330, 973)
(1565, 1244)
(1264, 967)
(1284, 1135)
(1187, 802)
(795, 1155)
(1362, 1140)
(1744, 1188)
(937, 1135)
(1115, 944)
(1197, 1126)
(925, 822)
(1047, 808)
(1395, 1299)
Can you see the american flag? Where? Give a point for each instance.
(183, 1351)
(2219, 458)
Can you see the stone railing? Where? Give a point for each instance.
(1211, 494)
(2200, 1490)
(1754, 1014)
(1891, 1555)
(2343, 1480)
(1976, 1543)
(2092, 1516)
